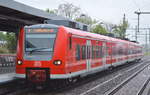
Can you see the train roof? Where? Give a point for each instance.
(82, 33)
(42, 26)
(97, 36)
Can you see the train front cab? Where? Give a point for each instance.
(41, 53)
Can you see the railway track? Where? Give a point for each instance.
(118, 87)
(116, 80)
(140, 92)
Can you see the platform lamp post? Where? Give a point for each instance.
(138, 13)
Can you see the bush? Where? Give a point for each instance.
(11, 42)
(3, 50)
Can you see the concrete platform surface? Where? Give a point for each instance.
(6, 77)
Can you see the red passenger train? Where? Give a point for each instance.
(47, 51)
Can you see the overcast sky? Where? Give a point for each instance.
(106, 10)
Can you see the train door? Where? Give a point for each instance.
(104, 49)
(88, 54)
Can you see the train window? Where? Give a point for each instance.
(97, 51)
(106, 51)
(120, 51)
(113, 50)
(83, 52)
(78, 52)
(88, 52)
(70, 42)
(101, 52)
(128, 51)
(93, 53)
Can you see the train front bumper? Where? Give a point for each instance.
(37, 74)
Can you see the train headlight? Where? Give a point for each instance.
(57, 62)
(19, 62)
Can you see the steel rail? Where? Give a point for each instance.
(118, 87)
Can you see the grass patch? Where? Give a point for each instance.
(3, 50)
(147, 53)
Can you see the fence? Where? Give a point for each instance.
(7, 63)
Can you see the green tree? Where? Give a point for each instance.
(11, 42)
(2, 36)
(86, 20)
(120, 30)
(3, 48)
(54, 11)
(99, 30)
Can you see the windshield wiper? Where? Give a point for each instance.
(36, 49)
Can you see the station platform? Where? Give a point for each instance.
(7, 67)
(6, 77)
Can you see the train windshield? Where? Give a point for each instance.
(39, 45)
(39, 42)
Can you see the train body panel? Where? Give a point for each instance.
(73, 52)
